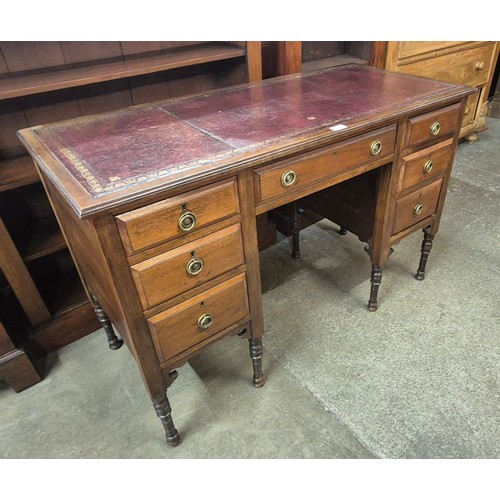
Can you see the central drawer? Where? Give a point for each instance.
(199, 318)
(171, 273)
(287, 176)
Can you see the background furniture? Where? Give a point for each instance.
(468, 63)
(41, 296)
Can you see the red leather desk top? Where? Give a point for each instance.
(112, 152)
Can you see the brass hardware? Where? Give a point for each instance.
(418, 209)
(289, 178)
(467, 111)
(187, 221)
(205, 321)
(195, 266)
(335, 154)
(428, 166)
(375, 148)
(479, 65)
(435, 128)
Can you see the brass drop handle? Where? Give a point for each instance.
(289, 178)
(428, 166)
(187, 221)
(467, 110)
(195, 266)
(435, 128)
(418, 209)
(205, 321)
(479, 65)
(375, 148)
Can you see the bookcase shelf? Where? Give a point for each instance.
(126, 66)
(42, 300)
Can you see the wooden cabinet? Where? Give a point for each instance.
(468, 63)
(41, 295)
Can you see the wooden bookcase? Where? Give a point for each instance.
(284, 58)
(42, 300)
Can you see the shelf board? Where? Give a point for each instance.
(18, 172)
(331, 62)
(105, 71)
(45, 239)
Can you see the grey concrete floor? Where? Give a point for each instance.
(417, 379)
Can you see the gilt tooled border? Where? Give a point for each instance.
(97, 188)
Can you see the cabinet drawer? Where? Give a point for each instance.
(287, 176)
(427, 163)
(411, 49)
(171, 273)
(177, 216)
(200, 317)
(433, 125)
(416, 206)
(468, 67)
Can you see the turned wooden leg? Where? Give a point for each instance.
(375, 280)
(113, 341)
(426, 250)
(256, 351)
(295, 228)
(342, 231)
(164, 412)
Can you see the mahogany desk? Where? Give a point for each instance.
(158, 203)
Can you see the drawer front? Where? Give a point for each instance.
(177, 216)
(468, 67)
(433, 125)
(279, 179)
(171, 273)
(410, 49)
(426, 164)
(200, 317)
(416, 206)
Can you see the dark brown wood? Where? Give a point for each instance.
(140, 191)
(114, 342)
(20, 280)
(295, 230)
(164, 412)
(105, 71)
(16, 367)
(425, 251)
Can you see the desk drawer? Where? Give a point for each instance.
(171, 273)
(177, 216)
(468, 67)
(416, 206)
(425, 164)
(434, 125)
(200, 317)
(286, 176)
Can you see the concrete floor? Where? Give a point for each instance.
(417, 379)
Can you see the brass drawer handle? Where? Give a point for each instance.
(375, 148)
(205, 321)
(479, 65)
(187, 221)
(435, 128)
(195, 266)
(418, 209)
(428, 166)
(289, 178)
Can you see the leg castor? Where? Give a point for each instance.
(375, 281)
(425, 251)
(256, 351)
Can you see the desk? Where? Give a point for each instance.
(158, 203)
